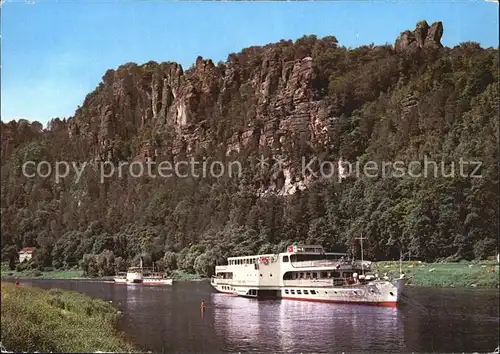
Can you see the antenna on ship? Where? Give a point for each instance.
(361, 242)
(400, 261)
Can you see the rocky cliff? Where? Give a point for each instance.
(278, 95)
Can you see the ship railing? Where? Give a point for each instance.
(338, 264)
(221, 281)
(317, 282)
(308, 282)
(320, 263)
(221, 268)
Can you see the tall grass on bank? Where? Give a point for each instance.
(48, 273)
(54, 320)
(458, 275)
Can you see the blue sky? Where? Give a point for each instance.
(55, 52)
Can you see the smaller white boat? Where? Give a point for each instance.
(150, 277)
(157, 279)
(140, 275)
(134, 275)
(121, 278)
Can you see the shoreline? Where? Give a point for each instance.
(78, 275)
(419, 274)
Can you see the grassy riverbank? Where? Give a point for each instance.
(458, 275)
(7, 274)
(37, 274)
(54, 320)
(180, 275)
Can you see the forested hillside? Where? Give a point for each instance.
(312, 98)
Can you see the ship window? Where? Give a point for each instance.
(292, 292)
(285, 259)
(270, 274)
(306, 292)
(347, 274)
(301, 275)
(315, 275)
(336, 274)
(313, 292)
(261, 275)
(286, 291)
(299, 292)
(324, 275)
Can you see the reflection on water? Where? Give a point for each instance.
(169, 319)
(305, 326)
(332, 327)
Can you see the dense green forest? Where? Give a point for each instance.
(382, 104)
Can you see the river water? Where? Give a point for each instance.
(168, 319)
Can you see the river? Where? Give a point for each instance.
(168, 319)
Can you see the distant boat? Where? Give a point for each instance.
(134, 275)
(141, 275)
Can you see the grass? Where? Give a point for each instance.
(184, 276)
(6, 273)
(54, 320)
(459, 275)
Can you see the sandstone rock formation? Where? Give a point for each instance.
(423, 36)
(262, 98)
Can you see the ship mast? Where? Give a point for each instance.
(361, 242)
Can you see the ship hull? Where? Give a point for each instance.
(376, 293)
(146, 281)
(332, 301)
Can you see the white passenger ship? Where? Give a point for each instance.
(306, 273)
